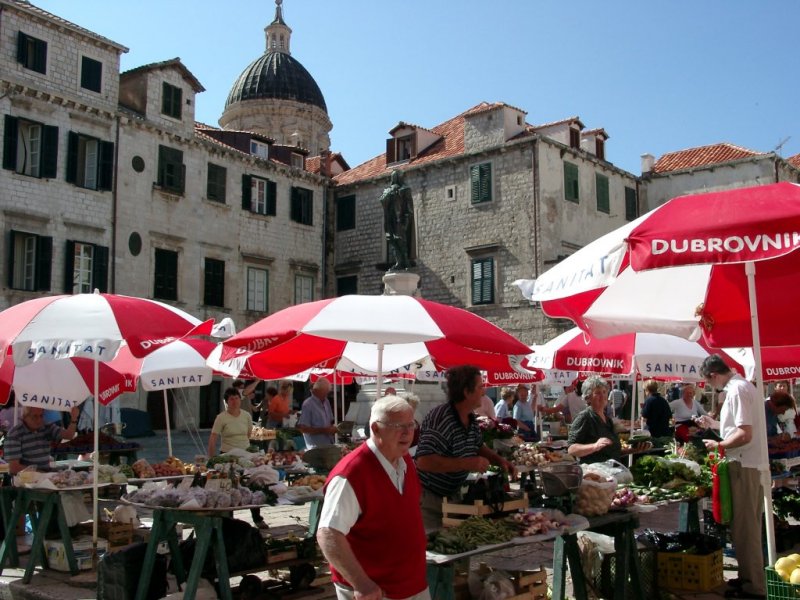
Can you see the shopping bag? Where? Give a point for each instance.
(721, 500)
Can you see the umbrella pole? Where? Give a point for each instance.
(766, 486)
(379, 382)
(95, 458)
(169, 429)
(335, 408)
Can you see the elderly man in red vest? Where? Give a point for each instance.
(370, 530)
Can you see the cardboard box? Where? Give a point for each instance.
(81, 548)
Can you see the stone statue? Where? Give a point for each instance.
(398, 220)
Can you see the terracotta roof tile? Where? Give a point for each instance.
(314, 164)
(702, 156)
(561, 122)
(794, 160)
(164, 64)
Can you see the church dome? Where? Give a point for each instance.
(276, 75)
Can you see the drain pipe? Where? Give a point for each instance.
(535, 177)
(114, 199)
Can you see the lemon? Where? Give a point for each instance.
(795, 558)
(795, 578)
(784, 574)
(785, 564)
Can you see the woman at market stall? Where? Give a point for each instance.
(656, 411)
(232, 429)
(591, 436)
(684, 410)
(775, 406)
(280, 405)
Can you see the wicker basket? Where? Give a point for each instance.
(559, 479)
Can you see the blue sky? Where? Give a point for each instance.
(658, 76)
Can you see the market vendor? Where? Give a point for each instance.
(370, 529)
(591, 435)
(451, 444)
(316, 416)
(685, 410)
(29, 442)
(656, 411)
(775, 407)
(280, 405)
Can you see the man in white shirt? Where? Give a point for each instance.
(571, 402)
(742, 427)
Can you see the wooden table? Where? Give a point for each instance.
(25, 501)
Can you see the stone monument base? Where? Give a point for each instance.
(430, 395)
(401, 283)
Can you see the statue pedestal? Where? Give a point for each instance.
(401, 283)
(430, 396)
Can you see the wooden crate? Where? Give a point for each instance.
(531, 584)
(281, 555)
(454, 514)
(117, 534)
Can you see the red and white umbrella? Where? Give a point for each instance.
(646, 355)
(392, 330)
(777, 363)
(720, 264)
(91, 326)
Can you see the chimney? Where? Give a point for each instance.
(648, 160)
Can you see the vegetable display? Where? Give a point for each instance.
(537, 522)
(472, 533)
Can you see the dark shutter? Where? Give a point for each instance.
(162, 165)
(166, 275)
(215, 184)
(10, 133)
(72, 157)
(483, 281)
(486, 182)
(390, 147)
(181, 184)
(475, 184)
(100, 268)
(105, 171)
(247, 192)
(12, 238)
(69, 268)
(345, 213)
(22, 48)
(91, 74)
(630, 204)
(295, 211)
(40, 59)
(49, 162)
(272, 198)
(44, 262)
(214, 282)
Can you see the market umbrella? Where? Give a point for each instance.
(777, 362)
(179, 364)
(689, 268)
(91, 326)
(308, 335)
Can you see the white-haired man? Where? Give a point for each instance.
(316, 416)
(371, 530)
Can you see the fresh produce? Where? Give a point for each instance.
(530, 455)
(788, 568)
(594, 496)
(143, 469)
(624, 497)
(537, 522)
(652, 494)
(315, 482)
(472, 533)
(657, 471)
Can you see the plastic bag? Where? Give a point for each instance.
(497, 586)
(721, 499)
(610, 468)
(594, 498)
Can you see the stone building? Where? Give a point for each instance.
(711, 168)
(495, 199)
(109, 183)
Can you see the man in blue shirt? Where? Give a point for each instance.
(316, 416)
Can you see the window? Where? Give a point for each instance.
(346, 285)
(303, 288)
(215, 185)
(603, 203)
(30, 148)
(32, 53)
(85, 268)
(482, 281)
(259, 149)
(631, 205)
(302, 207)
(259, 195)
(600, 148)
(257, 289)
(574, 138)
(170, 169)
(29, 261)
(297, 160)
(165, 285)
(345, 213)
(571, 188)
(214, 282)
(405, 147)
(90, 162)
(171, 100)
(91, 74)
(481, 182)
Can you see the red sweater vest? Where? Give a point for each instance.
(388, 539)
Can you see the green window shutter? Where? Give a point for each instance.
(345, 213)
(247, 192)
(294, 205)
(22, 48)
(214, 282)
(12, 238)
(49, 162)
(100, 269)
(105, 171)
(10, 133)
(630, 204)
(44, 263)
(72, 157)
(481, 183)
(216, 184)
(571, 187)
(603, 201)
(475, 183)
(272, 198)
(166, 275)
(40, 59)
(483, 281)
(91, 74)
(69, 267)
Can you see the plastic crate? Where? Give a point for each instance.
(778, 589)
(605, 579)
(695, 572)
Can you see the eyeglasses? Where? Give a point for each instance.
(404, 427)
